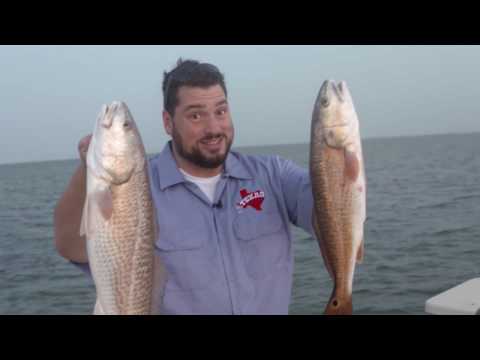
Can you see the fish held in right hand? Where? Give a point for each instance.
(119, 218)
(339, 189)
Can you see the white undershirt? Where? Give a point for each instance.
(207, 185)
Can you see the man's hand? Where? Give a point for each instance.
(83, 148)
(68, 212)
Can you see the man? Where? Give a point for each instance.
(224, 218)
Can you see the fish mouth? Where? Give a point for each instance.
(109, 112)
(103, 118)
(329, 90)
(107, 117)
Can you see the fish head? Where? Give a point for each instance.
(334, 118)
(116, 150)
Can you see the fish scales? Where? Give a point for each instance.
(339, 189)
(333, 205)
(119, 218)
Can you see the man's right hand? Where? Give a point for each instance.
(83, 148)
(68, 212)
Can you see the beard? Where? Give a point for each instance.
(195, 155)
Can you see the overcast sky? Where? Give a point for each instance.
(50, 95)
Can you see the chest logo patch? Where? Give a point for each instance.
(253, 199)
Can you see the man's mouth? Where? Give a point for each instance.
(212, 141)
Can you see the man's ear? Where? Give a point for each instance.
(167, 122)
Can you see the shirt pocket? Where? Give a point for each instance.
(186, 258)
(263, 241)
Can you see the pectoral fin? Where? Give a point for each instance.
(98, 203)
(352, 165)
(103, 199)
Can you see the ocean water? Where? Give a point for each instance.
(422, 235)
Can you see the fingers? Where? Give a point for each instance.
(85, 141)
(83, 147)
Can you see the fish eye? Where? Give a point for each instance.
(324, 101)
(126, 124)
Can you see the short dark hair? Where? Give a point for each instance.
(188, 73)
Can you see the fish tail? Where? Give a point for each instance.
(339, 305)
(98, 310)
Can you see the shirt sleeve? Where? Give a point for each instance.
(297, 190)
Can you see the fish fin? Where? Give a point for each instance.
(103, 199)
(352, 165)
(98, 310)
(339, 306)
(87, 223)
(360, 252)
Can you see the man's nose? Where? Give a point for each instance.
(212, 124)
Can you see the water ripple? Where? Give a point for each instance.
(421, 237)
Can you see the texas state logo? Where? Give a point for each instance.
(253, 199)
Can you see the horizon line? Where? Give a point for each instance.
(265, 145)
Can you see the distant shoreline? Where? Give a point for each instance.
(266, 145)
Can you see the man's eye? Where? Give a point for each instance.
(195, 116)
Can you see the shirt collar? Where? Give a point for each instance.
(169, 174)
(235, 168)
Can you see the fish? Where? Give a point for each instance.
(119, 218)
(339, 187)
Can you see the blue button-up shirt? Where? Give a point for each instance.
(233, 255)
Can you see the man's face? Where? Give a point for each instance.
(201, 129)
